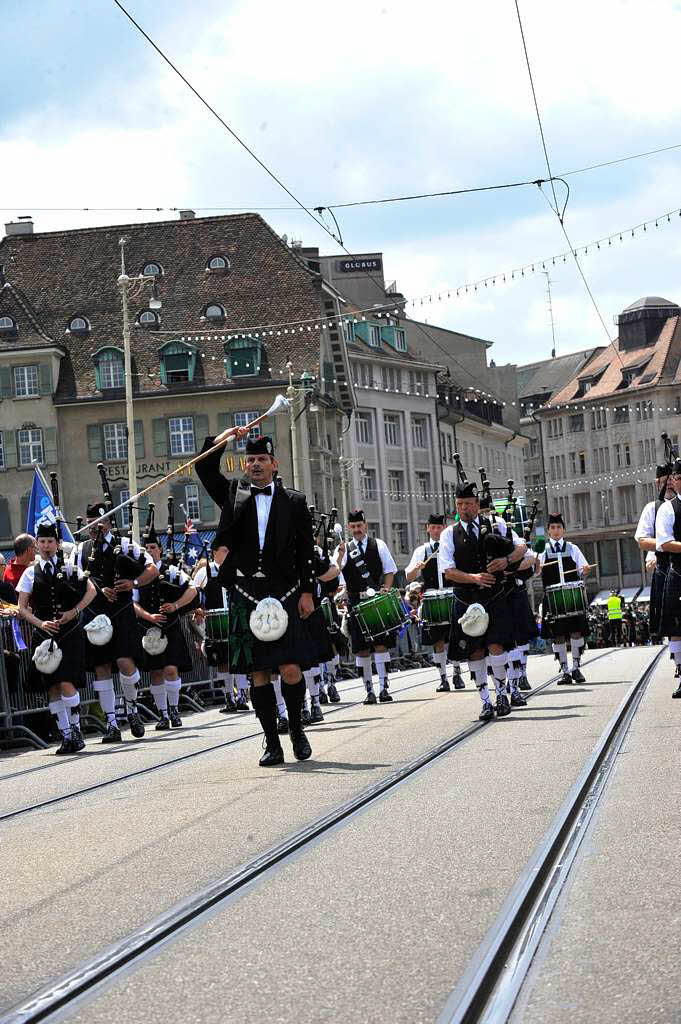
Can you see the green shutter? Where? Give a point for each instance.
(268, 428)
(163, 373)
(160, 432)
(209, 511)
(9, 444)
(5, 382)
(23, 515)
(388, 335)
(225, 419)
(177, 491)
(45, 370)
(94, 442)
(201, 430)
(139, 439)
(361, 330)
(50, 446)
(5, 526)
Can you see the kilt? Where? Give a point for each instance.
(499, 630)
(176, 653)
(670, 617)
(656, 597)
(524, 624)
(72, 666)
(431, 635)
(126, 640)
(305, 642)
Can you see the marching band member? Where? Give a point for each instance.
(366, 564)
(269, 573)
(424, 563)
(575, 626)
(668, 541)
(324, 572)
(656, 560)
(474, 553)
(58, 593)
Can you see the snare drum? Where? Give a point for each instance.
(217, 625)
(329, 619)
(436, 607)
(379, 615)
(564, 600)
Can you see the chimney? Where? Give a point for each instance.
(23, 227)
(187, 215)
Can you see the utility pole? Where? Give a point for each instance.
(123, 284)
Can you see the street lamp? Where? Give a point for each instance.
(132, 287)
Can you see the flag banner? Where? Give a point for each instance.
(41, 507)
(192, 542)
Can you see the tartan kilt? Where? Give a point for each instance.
(499, 630)
(72, 666)
(305, 643)
(176, 653)
(430, 635)
(670, 617)
(524, 624)
(552, 628)
(656, 598)
(126, 640)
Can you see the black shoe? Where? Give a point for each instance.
(66, 747)
(323, 697)
(301, 747)
(370, 697)
(523, 683)
(282, 724)
(242, 704)
(565, 679)
(677, 693)
(77, 739)
(458, 682)
(316, 714)
(230, 705)
(385, 697)
(136, 726)
(339, 675)
(487, 712)
(577, 676)
(518, 701)
(305, 716)
(112, 735)
(503, 707)
(174, 716)
(443, 687)
(677, 671)
(163, 723)
(333, 694)
(273, 755)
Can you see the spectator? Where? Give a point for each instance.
(24, 555)
(7, 591)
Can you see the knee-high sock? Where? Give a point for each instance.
(498, 663)
(61, 713)
(158, 692)
(276, 683)
(265, 707)
(294, 696)
(241, 683)
(515, 671)
(364, 666)
(478, 671)
(382, 659)
(129, 688)
(312, 683)
(675, 651)
(104, 689)
(72, 703)
(440, 659)
(173, 687)
(456, 667)
(560, 651)
(576, 646)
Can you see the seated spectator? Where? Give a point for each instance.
(24, 555)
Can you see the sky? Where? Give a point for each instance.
(363, 100)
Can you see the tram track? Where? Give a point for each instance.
(128, 953)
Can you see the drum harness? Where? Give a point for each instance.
(502, 591)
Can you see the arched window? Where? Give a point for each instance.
(218, 264)
(79, 325)
(109, 368)
(214, 312)
(8, 327)
(147, 318)
(152, 270)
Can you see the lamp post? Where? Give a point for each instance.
(126, 286)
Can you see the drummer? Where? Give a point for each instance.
(575, 626)
(366, 564)
(668, 536)
(645, 538)
(424, 564)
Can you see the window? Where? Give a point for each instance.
(555, 427)
(607, 557)
(367, 484)
(2, 450)
(419, 431)
(8, 327)
(576, 423)
(364, 432)
(178, 361)
(373, 529)
(392, 378)
(191, 501)
(181, 430)
(396, 485)
(30, 445)
(534, 447)
(240, 420)
(627, 454)
(581, 462)
(26, 381)
(400, 339)
(399, 538)
(644, 411)
(115, 441)
(214, 312)
(78, 325)
(363, 374)
(391, 426)
(450, 450)
(631, 555)
(245, 357)
(147, 318)
(564, 509)
(109, 369)
(583, 509)
(443, 448)
(423, 485)
(617, 452)
(374, 336)
(417, 382)
(621, 414)
(152, 270)
(218, 263)
(573, 463)
(627, 503)
(599, 419)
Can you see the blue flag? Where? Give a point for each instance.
(193, 542)
(41, 507)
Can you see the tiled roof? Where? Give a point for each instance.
(66, 273)
(548, 374)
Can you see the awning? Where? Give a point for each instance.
(644, 596)
(601, 597)
(628, 594)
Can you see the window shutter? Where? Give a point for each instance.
(5, 382)
(163, 374)
(45, 371)
(25, 499)
(139, 439)
(209, 511)
(50, 446)
(141, 509)
(177, 491)
(9, 441)
(225, 419)
(268, 428)
(5, 526)
(200, 431)
(94, 442)
(361, 330)
(160, 431)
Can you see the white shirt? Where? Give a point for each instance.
(175, 575)
(646, 524)
(387, 560)
(664, 526)
(445, 553)
(25, 584)
(571, 551)
(201, 577)
(128, 547)
(263, 504)
(420, 555)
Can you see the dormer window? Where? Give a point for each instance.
(109, 368)
(78, 325)
(214, 312)
(8, 327)
(152, 270)
(178, 362)
(218, 264)
(244, 357)
(147, 318)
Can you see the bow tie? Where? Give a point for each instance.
(261, 490)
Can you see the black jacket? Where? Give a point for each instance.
(288, 554)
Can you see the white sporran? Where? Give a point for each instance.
(47, 657)
(269, 619)
(154, 642)
(475, 620)
(100, 630)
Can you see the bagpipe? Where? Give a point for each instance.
(125, 566)
(327, 532)
(670, 457)
(495, 545)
